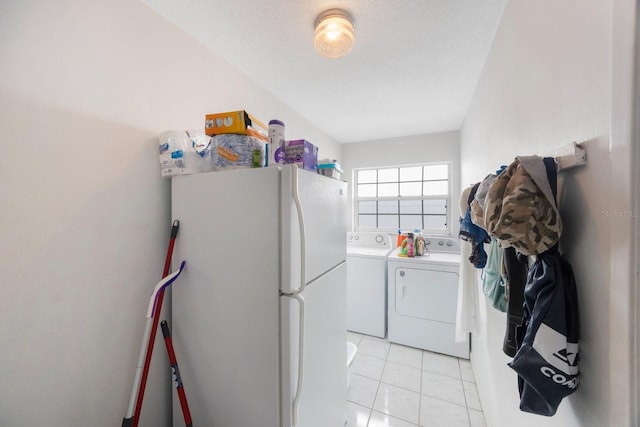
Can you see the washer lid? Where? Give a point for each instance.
(367, 252)
(432, 258)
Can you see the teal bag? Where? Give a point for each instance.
(493, 283)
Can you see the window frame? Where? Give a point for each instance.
(447, 230)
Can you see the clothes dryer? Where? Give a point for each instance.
(367, 282)
(423, 294)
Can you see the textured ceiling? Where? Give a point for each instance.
(413, 69)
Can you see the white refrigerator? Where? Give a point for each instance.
(258, 314)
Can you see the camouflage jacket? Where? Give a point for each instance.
(520, 208)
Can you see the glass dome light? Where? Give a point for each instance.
(334, 35)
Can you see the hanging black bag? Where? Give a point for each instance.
(547, 357)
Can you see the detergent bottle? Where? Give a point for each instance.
(410, 245)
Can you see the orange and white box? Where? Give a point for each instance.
(239, 122)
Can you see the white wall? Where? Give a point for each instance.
(548, 82)
(85, 87)
(407, 150)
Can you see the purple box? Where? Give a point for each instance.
(302, 153)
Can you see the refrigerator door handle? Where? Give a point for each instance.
(303, 252)
(296, 295)
(296, 398)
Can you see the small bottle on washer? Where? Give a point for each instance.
(420, 244)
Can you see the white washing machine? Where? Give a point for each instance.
(367, 282)
(423, 295)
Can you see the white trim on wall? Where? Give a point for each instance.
(624, 157)
(635, 203)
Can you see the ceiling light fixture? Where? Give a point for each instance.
(334, 34)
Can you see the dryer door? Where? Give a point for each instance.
(426, 294)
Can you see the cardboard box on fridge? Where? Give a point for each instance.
(302, 153)
(239, 122)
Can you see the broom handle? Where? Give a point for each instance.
(176, 374)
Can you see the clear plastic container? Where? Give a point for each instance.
(332, 170)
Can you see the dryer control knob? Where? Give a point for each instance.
(379, 238)
(440, 243)
(402, 274)
(449, 243)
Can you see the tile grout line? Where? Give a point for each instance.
(420, 393)
(384, 365)
(464, 393)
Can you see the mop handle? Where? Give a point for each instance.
(157, 308)
(129, 420)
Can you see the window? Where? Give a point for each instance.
(403, 197)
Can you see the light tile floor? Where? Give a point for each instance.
(397, 386)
